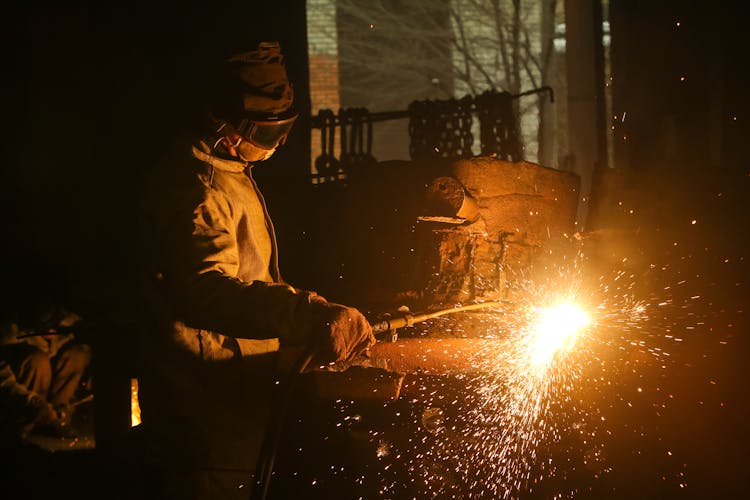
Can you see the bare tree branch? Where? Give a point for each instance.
(462, 48)
(501, 42)
(393, 52)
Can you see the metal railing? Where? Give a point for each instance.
(437, 128)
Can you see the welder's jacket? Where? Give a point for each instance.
(214, 311)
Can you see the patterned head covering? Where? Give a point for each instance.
(254, 83)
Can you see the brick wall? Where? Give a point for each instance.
(324, 65)
(324, 82)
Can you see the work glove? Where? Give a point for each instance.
(40, 414)
(338, 332)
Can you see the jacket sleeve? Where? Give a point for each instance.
(199, 280)
(19, 405)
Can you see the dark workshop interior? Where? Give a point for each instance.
(621, 178)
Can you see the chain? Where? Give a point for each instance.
(326, 164)
(498, 129)
(437, 129)
(356, 139)
(441, 128)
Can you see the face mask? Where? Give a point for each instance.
(252, 153)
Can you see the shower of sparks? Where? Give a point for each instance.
(531, 389)
(551, 404)
(526, 377)
(578, 377)
(521, 398)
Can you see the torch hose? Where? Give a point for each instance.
(270, 445)
(411, 319)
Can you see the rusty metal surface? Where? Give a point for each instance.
(437, 356)
(357, 383)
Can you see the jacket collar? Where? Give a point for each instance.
(200, 151)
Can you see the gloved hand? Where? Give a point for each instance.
(41, 414)
(338, 332)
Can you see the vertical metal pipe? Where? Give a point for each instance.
(586, 102)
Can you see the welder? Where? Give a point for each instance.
(216, 310)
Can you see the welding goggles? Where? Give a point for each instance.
(267, 132)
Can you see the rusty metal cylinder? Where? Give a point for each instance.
(447, 197)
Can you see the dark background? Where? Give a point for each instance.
(91, 93)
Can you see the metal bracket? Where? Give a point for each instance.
(393, 335)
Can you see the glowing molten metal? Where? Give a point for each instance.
(555, 330)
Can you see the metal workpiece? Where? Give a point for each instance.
(434, 355)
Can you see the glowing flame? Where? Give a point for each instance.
(555, 330)
(135, 407)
